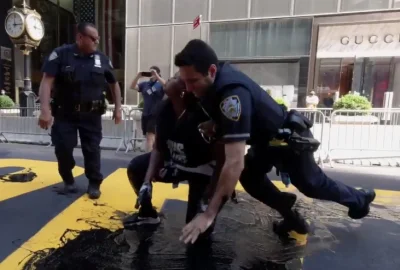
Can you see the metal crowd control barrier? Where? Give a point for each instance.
(135, 130)
(344, 134)
(23, 129)
(358, 134)
(15, 128)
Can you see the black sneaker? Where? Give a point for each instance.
(142, 218)
(293, 227)
(364, 211)
(94, 191)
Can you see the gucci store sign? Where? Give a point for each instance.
(360, 40)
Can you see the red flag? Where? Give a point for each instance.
(196, 21)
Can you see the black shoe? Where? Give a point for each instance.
(293, 227)
(360, 213)
(141, 218)
(70, 188)
(94, 191)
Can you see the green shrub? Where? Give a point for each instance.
(6, 102)
(352, 102)
(282, 102)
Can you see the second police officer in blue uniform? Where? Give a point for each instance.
(78, 73)
(245, 113)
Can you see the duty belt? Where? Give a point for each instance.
(91, 106)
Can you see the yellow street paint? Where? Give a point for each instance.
(47, 175)
(117, 196)
(387, 197)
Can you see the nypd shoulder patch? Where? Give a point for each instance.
(231, 108)
(53, 56)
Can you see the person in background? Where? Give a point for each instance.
(312, 100)
(152, 93)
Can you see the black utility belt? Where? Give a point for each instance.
(296, 143)
(96, 106)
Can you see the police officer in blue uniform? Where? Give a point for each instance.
(152, 93)
(244, 112)
(78, 73)
(181, 153)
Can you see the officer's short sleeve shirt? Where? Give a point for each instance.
(235, 109)
(109, 70)
(52, 65)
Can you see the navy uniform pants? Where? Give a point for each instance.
(305, 175)
(198, 183)
(64, 136)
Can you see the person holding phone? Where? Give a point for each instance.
(152, 93)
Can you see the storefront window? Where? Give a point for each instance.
(369, 77)
(315, 6)
(328, 80)
(359, 5)
(281, 79)
(265, 8)
(261, 39)
(376, 79)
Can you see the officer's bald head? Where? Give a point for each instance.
(87, 37)
(197, 64)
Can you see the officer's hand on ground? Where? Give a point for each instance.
(194, 228)
(117, 116)
(45, 119)
(207, 128)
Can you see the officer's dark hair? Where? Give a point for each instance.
(198, 54)
(156, 69)
(81, 27)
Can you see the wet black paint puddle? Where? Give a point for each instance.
(17, 174)
(242, 239)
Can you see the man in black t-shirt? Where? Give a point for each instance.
(181, 153)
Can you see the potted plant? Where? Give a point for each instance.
(353, 102)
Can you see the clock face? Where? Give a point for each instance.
(15, 24)
(34, 27)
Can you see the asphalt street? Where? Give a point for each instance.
(40, 227)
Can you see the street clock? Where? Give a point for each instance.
(25, 27)
(34, 27)
(15, 24)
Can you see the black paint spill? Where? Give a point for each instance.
(242, 239)
(17, 174)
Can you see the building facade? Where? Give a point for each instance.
(289, 47)
(280, 44)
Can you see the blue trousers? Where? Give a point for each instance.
(305, 175)
(64, 136)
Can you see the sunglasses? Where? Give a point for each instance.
(93, 39)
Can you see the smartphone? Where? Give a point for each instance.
(146, 74)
